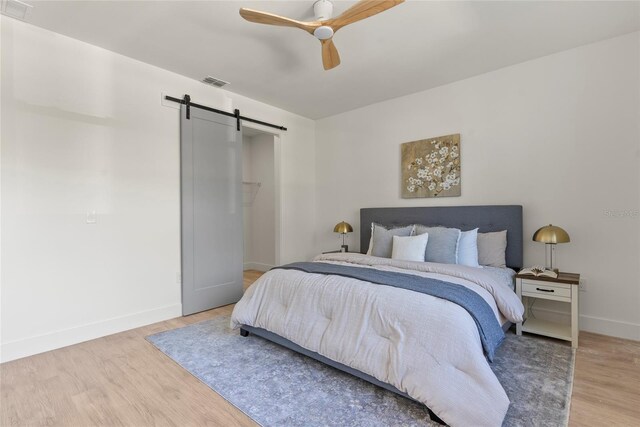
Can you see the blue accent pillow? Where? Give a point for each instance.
(443, 243)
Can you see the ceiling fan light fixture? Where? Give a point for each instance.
(323, 32)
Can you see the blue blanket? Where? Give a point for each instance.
(491, 334)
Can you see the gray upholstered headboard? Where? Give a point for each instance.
(486, 218)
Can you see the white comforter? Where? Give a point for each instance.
(425, 346)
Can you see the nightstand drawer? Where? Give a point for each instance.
(543, 289)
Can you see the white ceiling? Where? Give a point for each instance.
(414, 46)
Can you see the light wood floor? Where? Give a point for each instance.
(123, 380)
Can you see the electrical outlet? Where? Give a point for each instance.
(582, 287)
(92, 217)
(178, 278)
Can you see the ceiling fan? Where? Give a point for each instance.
(324, 27)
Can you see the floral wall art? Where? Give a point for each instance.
(431, 167)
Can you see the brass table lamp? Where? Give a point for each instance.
(343, 228)
(551, 235)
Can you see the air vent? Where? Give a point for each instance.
(15, 9)
(214, 82)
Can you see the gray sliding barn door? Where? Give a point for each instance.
(211, 193)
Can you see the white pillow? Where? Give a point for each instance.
(468, 248)
(410, 248)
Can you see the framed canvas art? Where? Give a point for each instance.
(431, 167)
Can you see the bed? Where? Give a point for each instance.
(422, 347)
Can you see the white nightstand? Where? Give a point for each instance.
(563, 288)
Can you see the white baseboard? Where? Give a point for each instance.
(257, 266)
(598, 325)
(614, 328)
(53, 340)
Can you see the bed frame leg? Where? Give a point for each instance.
(244, 332)
(435, 418)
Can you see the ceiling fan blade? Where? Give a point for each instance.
(359, 11)
(330, 57)
(271, 19)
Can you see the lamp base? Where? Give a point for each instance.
(549, 257)
(344, 248)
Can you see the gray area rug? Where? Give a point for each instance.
(278, 387)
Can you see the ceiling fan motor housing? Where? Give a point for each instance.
(323, 10)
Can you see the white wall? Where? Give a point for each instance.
(83, 129)
(559, 135)
(259, 202)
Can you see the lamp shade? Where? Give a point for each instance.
(551, 234)
(343, 228)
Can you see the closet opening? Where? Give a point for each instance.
(261, 198)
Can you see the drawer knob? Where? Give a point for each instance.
(544, 290)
